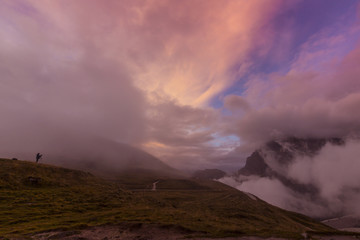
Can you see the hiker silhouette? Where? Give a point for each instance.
(38, 157)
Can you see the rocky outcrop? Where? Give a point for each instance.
(255, 165)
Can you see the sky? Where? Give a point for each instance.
(196, 83)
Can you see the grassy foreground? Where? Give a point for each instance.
(71, 199)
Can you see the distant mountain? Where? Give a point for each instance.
(271, 159)
(107, 158)
(209, 174)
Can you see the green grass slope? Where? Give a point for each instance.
(70, 199)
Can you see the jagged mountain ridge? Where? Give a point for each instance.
(275, 156)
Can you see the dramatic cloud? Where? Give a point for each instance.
(318, 102)
(50, 86)
(93, 67)
(236, 103)
(189, 50)
(334, 170)
(155, 74)
(317, 95)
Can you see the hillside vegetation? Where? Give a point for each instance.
(39, 197)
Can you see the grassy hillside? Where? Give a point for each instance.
(69, 199)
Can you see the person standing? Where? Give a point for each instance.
(38, 157)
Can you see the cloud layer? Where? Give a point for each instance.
(317, 97)
(99, 68)
(197, 83)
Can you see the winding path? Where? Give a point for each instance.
(154, 186)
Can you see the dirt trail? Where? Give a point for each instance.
(130, 232)
(138, 231)
(154, 186)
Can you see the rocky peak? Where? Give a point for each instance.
(281, 153)
(255, 165)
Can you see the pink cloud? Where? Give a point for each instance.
(97, 65)
(236, 103)
(183, 49)
(310, 100)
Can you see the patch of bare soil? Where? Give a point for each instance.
(138, 231)
(336, 237)
(130, 232)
